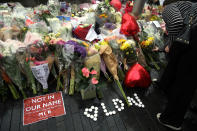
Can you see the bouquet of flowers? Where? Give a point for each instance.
(147, 47)
(87, 83)
(24, 66)
(78, 60)
(128, 48)
(43, 15)
(54, 7)
(41, 63)
(10, 64)
(105, 14)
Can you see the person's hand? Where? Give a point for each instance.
(167, 49)
(155, 49)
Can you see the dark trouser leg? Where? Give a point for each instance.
(169, 74)
(182, 90)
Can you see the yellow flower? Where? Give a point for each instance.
(121, 41)
(58, 34)
(127, 53)
(147, 43)
(103, 43)
(73, 15)
(151, 38)
(125, 45)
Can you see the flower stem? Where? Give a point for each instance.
(122, 91)
(154, 63)
(34, 88)
(14, 92)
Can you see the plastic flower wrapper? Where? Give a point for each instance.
(31, 37)
(40, 28)
(88, 18)
(18, 21)
(55, 24)
(20, 13)
(66, 58)
(105, 13)
(7, 20)
(112, 65)
(41, 63)
(11, 68)
(9, 33)
(66, 31)
(43, 15)
(78, 60)
(24, 66)
(41, 73)
(5, 77)
(54, 7)
(93, 60)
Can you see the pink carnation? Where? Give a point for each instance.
(94, 81)
(93, 72)
(85, 72)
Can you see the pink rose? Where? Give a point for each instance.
(94, 81)
(93, 72)
(85, 72)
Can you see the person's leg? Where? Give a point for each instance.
(181, 92)
(169, 74)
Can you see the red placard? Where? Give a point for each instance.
(42, 107)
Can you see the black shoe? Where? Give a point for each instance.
(167, 124)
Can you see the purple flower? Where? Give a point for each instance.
(110, 26)
(77, 48)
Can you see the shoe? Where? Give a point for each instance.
(167, 125)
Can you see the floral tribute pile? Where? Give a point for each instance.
(74, 46)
